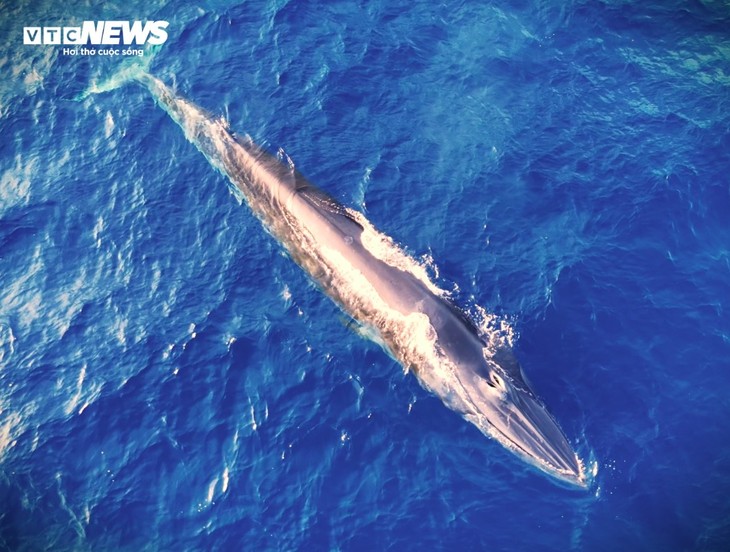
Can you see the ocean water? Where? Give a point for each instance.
(171, 380)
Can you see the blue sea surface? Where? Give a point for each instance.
(171, 380)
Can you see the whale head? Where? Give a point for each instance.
(502, 405)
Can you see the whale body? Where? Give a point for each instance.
(385, 290)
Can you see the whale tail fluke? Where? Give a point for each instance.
(133, 70)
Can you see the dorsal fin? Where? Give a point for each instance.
(328, 205)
